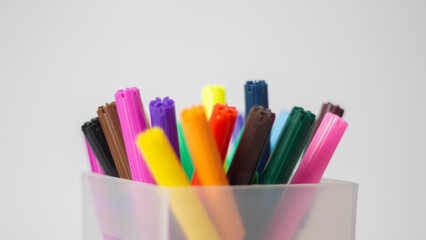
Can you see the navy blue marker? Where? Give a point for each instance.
(256, 94)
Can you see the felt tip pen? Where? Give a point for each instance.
(288, 148)
(256, 94)
(95, 137)
(221, 123)
(167, 171)
(211, 95)
(108, 117)
(321, 149)
(133, 121)
(163, 115)
(325, 108)
(251, 146)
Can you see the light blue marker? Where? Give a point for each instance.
(277, 127)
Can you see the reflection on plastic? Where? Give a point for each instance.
(290, 211)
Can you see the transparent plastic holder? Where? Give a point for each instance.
(118, 209)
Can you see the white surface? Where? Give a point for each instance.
(59, 60)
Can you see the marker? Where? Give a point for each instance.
(221, 123)
(208, 164)
(95, 137)
(297, 201)
(256, 94)
(232, 153)
(164, 165)
(108, 117)
(161, 158)
(239, 125)
(163, 115)
(236, 134)
(94, 164)
(255, 178)
(185, 156)
(278, 127)
(202, 146)
(251, 146)
(211, 95)
(133, 121)
(321, 149)
(325, 108)
(288, 148)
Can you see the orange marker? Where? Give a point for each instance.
(221, 123)
(208, 164)
(202, 146)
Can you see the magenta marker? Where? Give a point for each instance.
(133, 121)
(94, 164)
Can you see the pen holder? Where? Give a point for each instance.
(118, 209)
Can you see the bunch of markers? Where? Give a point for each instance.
(212, 144)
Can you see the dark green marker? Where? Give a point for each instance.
(288, 148)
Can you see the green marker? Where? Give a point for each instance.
(255, 179)
(185, 157)
(230, 156)
(288, 148)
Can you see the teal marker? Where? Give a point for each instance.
(288, 148)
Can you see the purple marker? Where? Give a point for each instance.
(237, 128)
(163, 115)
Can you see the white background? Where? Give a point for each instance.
(60, 60)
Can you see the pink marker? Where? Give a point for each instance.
(94, 164)
(133, 121)
(320, 150)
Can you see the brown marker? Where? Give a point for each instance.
(110, 123)
(326, 107)
(253, 141)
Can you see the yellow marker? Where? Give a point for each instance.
(211, 95)
(164, 165)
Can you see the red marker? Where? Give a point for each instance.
(221, 123)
